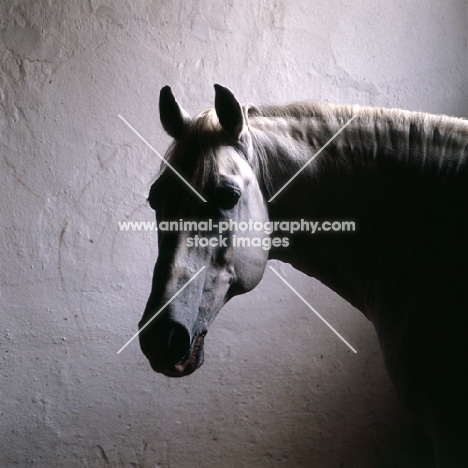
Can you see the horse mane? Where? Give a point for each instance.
(301, 111)
(297, 110)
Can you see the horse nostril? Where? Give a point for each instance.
(177, 343)
(166, 343)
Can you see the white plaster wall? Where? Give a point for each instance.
(277, 388)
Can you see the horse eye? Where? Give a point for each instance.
(227, 198)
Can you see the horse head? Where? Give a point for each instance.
(209, 182)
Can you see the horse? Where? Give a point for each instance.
(400, 176)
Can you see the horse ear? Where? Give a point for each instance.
(173, 117)
(229, 111)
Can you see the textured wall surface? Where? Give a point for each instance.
(277, 388)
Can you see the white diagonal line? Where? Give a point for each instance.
(313, 310)
(161, 309)
(312, 158)
(160, 157)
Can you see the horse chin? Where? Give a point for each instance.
(188, 365)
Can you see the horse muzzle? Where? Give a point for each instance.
(170, 349)
(190, 364)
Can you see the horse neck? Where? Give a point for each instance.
(357, 177)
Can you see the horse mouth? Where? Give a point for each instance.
(188, 364)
